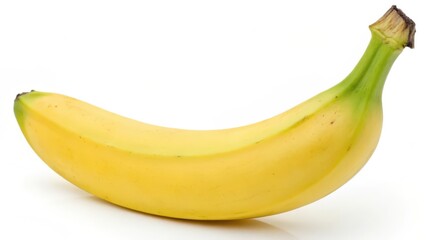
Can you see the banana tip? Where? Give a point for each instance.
(410, 24)
(396, 25)
(21, 94)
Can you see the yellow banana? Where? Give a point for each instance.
(265, 168)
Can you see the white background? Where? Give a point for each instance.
(202, 65)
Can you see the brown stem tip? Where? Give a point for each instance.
(397, 26)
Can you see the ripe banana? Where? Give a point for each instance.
(265, 168)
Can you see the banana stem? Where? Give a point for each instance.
(372, 82)
(395, 28)
(389, 36)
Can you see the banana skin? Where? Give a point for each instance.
(265, 168)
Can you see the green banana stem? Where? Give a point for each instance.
(372, 80)
(390, 34)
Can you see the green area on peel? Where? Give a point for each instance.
(365, 83)
(19, 113)
(29, 95)
(19, 106)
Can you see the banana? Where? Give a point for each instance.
(265, 168)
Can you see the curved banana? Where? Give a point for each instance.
(265, 168)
